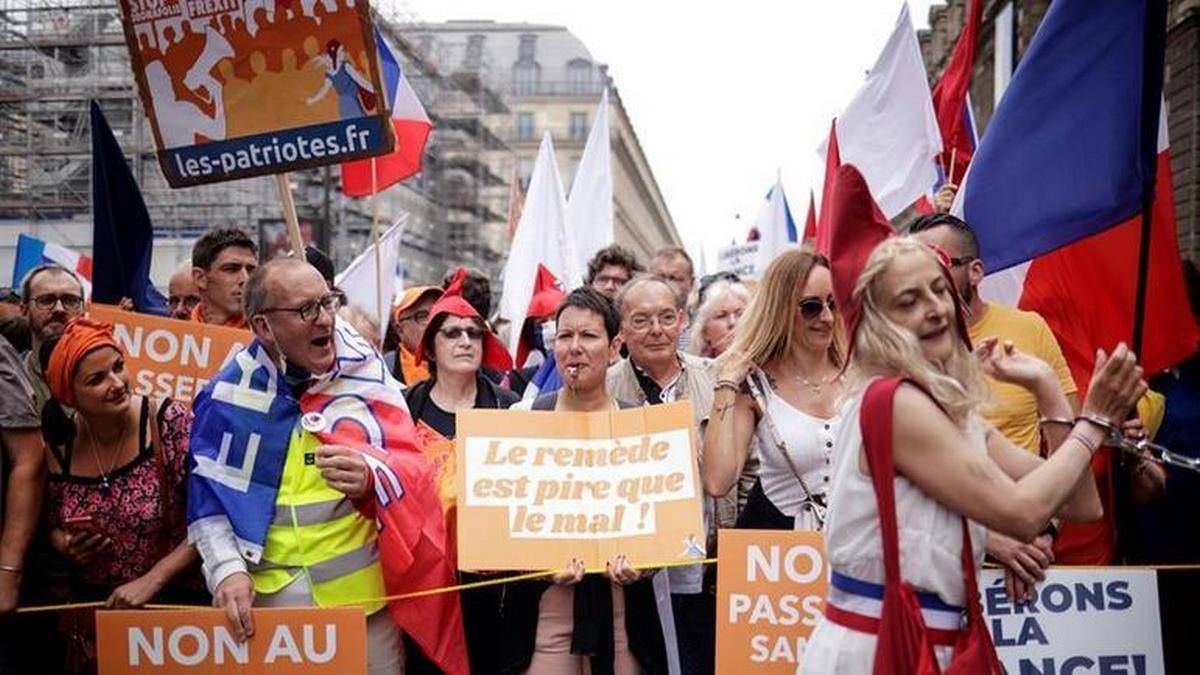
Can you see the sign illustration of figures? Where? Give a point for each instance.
(239, 88)
(536, 489)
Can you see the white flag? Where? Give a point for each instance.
(590, 206)
(889, 131)
(369, 291)
(542, 236)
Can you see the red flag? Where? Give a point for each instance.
(950, 97)
(810, 223)
(833, 160)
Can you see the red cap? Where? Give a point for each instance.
(547, 293)
(495, 355)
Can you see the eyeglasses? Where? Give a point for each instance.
(420, 316)
(188, 301)
(958, 262)
(810, 308)
(458, 331)
(610, 280)
(69, 301)
(641, 322)
(311, 310)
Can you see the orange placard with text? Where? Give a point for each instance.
(168, 358)
(770, 592)
(301, 640)
(536, 489)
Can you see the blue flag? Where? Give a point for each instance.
(1071, 149)
(122, 237)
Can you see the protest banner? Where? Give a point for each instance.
(536, 489)
(292, 640)
(167, 357)
(1097, 620)
(741, 259)
(239, 88)
(770, 594)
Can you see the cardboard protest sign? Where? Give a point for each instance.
(536, 489)
(301, 640)
(1099, 620)
(238, 88)
(168, 357)
(770, 593)
(741, 259)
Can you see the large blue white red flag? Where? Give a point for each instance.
(1041, 179)
(33, 252)
(244, 421)
(410, 124)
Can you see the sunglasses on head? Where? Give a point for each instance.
(810, 308)
(710, 279)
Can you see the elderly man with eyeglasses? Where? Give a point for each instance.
(656, 371)
(51, 295)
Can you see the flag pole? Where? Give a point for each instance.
(289, 214)
(1143, 270)
(375, 241)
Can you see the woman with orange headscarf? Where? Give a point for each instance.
(116, 497)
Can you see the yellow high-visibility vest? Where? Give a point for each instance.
(318, 532)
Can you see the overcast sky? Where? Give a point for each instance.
(721, 100)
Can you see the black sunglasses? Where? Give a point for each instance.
(810, 308)
(457, 332)
(710, 279)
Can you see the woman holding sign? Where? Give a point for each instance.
(776, 396)
(117, 493)
(919, 477)
(457, 343)
(611, 620)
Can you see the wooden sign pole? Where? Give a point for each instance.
(289, 214)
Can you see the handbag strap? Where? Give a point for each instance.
(165, 492)
(776, 439)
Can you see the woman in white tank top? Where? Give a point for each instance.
(948, 463)
(787, 354)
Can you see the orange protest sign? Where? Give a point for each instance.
(536, 489)
(301, 640)
(239, 88)
(168, 357)
(770, 592)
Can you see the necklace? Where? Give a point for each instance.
(815, 387)
(105, 484)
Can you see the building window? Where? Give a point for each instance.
(579, 126)
(473, 57)
(527, 47)
(524, 126)
(579, 76)
(525, 78)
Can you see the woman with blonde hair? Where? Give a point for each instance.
(720, 304)
(775, 397)
(919, 476)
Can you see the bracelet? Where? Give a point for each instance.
(726, 384)
(11, 569)
(1095, 420)
(1051, 529)
(1087, 443)
(1066, 421)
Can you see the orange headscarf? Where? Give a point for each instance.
(81, 337)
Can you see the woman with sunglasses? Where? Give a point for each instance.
(457, 344)
(776, 396)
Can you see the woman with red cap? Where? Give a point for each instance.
(116, 497)
(457, 344)
(919, 477)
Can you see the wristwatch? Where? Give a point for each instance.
(1050, 529)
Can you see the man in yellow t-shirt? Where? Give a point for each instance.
(1013, 409)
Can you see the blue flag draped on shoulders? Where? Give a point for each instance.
(1071, 149)
(122, 236)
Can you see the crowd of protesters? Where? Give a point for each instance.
(95, 477)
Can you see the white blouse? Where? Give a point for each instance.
(810, 444)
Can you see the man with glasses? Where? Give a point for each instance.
(182, 294)
(656, 371)
(222, 261)
(611, 268)
(409, 319)
(51, 295)
(321, 547)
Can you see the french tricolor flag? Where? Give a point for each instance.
(33, 252)
(410, 124)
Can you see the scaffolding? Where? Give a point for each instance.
(56, 56)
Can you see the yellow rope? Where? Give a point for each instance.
(388, 598)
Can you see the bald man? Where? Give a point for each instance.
(182, 294)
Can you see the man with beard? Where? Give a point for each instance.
(50, 297)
